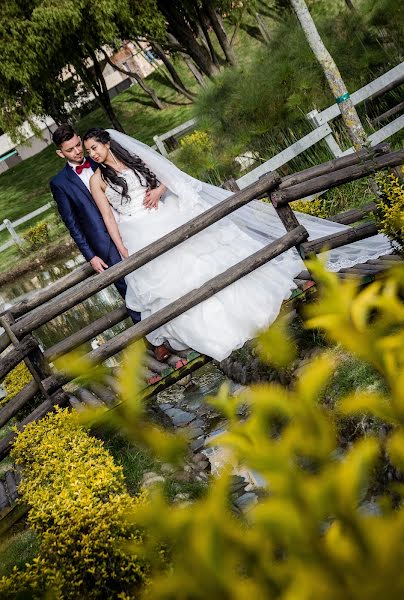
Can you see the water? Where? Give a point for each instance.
(206, 381)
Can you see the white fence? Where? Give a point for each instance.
(15, 238)
(322, 130)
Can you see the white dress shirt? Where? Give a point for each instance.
(84, 175)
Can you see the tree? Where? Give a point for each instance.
(331, 71)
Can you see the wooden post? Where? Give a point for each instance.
(316, 120)
(34, 360)
(16, 238)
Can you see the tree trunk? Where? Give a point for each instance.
(150, 91)
(187, 59)
(218, 28)
(204, 24)
(176, 80)
(335, 81)
(99, 89)
(179, 28)
(350, 5)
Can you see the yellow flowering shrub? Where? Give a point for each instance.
(77, 500)
(195, 154)
(390, 208)
(315, 533)
(316, 207)
(15, 381)
(37, 236)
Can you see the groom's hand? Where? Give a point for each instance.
(98, 264)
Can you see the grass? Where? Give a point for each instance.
(18, 547)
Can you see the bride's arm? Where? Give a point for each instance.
(101, 200)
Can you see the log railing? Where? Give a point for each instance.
(23, 318)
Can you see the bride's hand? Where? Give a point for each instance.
(124, 252)
(152, 197)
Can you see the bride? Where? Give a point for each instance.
(143, 196)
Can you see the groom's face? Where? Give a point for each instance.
(72, 150)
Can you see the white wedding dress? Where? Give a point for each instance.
(226, 321)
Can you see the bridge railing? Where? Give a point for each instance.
(22, 319)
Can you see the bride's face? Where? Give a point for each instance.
(96, 150)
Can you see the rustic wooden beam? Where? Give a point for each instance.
(16, 355)
(334, 179)
(83, 290)
(60, 398)
(389, 113)
(12, 407)
(86, 334)
(351, 216)
(194, 297)
(352, 234)
(332, 165)
(4, 341)
(42, 296)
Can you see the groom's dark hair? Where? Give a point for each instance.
(62, 134)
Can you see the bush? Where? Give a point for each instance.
(390, 208)
(195, 156)
(316, 531)
(15, 381)
(37, 236)
(316, 207)
(77, 499)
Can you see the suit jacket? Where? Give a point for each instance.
(80, 214)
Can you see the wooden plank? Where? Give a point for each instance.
(11, 485)
(389, 113)
(17, 512)
(104, 393)
(12, 407)
(194, 297)
(351, 216)
(380, 85)
(87, 397)
(42, 296)
(60, 398)
(169, 312)
(85, 289)
(285, 156)
(87, 333)
(16, 355)
(4, 501)
(183, 128)
(4, 341)
(333, 165)
(33, 214)
(353, 234)
(387, 131)
(331, 180)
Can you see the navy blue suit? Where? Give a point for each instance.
(84, 221)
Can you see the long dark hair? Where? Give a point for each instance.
(109, 175)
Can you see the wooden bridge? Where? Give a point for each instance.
(21, 320)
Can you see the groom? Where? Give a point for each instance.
(71, 191)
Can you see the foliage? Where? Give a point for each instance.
(195, 154)
(311, 535)
(37, 236)
(77, 499)
(15, 381)
(282, 81)
(316, 207)
(390, 208)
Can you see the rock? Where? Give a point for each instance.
(194, 432)
(152, 479)
(181, 497)
(198, 423)
(246, 501)
(197, 444)
(179, 417)
(167, 468)
(182, 477)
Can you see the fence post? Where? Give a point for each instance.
(317, 120)
(160, 145)
(16, 238)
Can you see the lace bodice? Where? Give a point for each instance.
(136, 191)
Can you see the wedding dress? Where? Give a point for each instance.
(234, 315)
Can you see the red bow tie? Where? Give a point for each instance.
(85, 165)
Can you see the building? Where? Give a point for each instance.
(133, 58)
